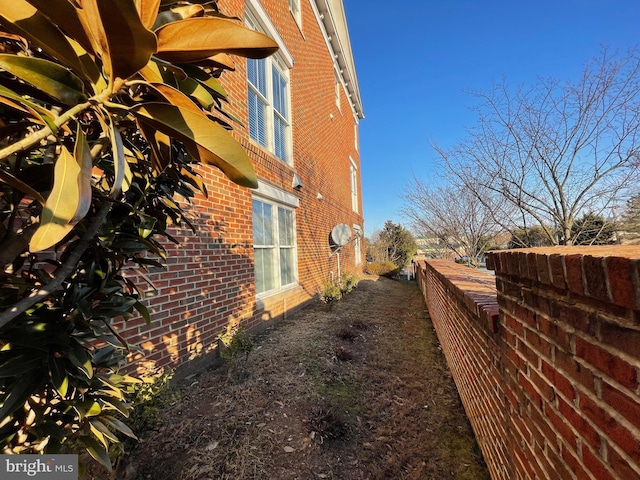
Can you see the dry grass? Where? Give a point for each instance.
(357, 391)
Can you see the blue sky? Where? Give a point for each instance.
(416, 58)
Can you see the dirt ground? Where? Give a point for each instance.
(355, 390)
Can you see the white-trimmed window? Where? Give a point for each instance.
(338, 89)
(269, 102)
(355, 132)
(294, 5)
(357, 246)
(274, 241)
(354, 185)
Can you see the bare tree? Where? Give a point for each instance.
(557, 150)
(453, 216)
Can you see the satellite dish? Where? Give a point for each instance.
(340, 235)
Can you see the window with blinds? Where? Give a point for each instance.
(268, 105)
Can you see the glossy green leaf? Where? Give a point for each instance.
(174, 96)
(29, 107)
(207, 140)
(19, 392)
(80, 358)
(59, 376)
(144, 311)
(123, 175)
(89, 408)
(82, 154)
(177, 14)
(61, 205)
(22, 18)
(101, 432)
(117, 405)
(96, 450)
(65, 16)
(19, 185)
(91, 69)
(195, 39)
(209, 82)
(47, 76)
(148, 11)
(160, 145)
(151, 72)
(194, 89)
(20, 365)
(118, 425)
(124, 44)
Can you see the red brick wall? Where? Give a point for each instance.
(564, 359)
(209, 282)
(462, 305)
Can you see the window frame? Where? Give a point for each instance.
(355, 132)
(353, 174)
(357, 245)
(272, 119)
(279, 200)
(296, 10)
(338, 92)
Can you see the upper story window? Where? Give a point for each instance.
(294, 5)
(355, 132)
(269, 102)
(338, 89)
(354, 186)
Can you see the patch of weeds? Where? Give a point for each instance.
(237, 346)
(347, 333)
(465, 454)
(343, 354)
(344, 393)
(328, 422)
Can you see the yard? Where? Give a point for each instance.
(354, 390)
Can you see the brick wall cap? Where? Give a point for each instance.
(626, 251)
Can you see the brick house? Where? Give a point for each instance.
(258, 254)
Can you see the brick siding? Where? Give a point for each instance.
(209, 281)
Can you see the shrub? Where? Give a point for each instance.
(385, 268)
(100, 134)
(146, 399)
(237, 347)
(348, 282)
(330, 292)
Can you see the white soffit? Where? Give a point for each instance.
(331, 17)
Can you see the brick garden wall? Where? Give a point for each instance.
(546, 358)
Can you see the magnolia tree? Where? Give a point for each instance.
(105, 106)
